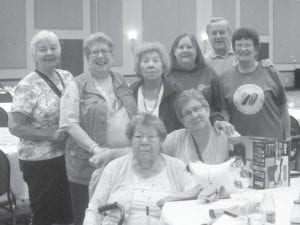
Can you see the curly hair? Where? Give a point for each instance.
(245, 33)
(151, 47)
(147, 120)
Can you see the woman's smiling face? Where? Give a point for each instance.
(185, 52)
(100, 58)
(245, 50)
(47, 53)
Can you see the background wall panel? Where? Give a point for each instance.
(13, 34)
(286, 31)
(58, 14)
(258, 20)
(225, 9)
(110, 21)
(164, 20)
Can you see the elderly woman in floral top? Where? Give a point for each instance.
(34, 119)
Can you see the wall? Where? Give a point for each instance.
(155, 20)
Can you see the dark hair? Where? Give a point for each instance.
(200, 62)
(245, 33)
(147, 120)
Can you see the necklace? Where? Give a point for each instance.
(155, 102)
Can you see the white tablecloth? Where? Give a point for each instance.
(194, 213)
(8, 144)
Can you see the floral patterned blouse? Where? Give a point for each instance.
(34, 98)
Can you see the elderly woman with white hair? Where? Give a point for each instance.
(95, 110)
(34, 118)
(154, 92)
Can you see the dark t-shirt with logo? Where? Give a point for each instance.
(252, 101)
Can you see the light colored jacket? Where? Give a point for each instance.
(117, 178)
(93, 120)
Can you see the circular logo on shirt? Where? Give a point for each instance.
(249, 99)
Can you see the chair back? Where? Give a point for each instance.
(4, 173)
(5, 96)
(3, 118)
(295, 145)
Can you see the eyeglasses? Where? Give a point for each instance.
(196, 109)
(104, 52)
(140, 138)
(245, 46)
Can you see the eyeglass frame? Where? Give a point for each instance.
(150, 138)
(104, 52)
(196, 109)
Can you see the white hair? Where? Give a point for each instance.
(43, 36)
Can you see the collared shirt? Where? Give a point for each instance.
(35, 99)
(220, 63)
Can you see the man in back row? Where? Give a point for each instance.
(221, 57)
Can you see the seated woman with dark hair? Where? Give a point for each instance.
(141, 181)
(199, 140)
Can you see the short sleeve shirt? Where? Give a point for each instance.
(253, 101)
(34, 98)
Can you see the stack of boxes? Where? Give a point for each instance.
(266, 159)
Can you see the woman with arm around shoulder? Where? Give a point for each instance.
(95, 109)
(154, 92)
(189, 69)
(140, 179)
(34, 118)
(198, 141)
(253, 97)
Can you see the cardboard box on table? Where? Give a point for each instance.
(266, 159)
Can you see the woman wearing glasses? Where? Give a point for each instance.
(143, 180)
(253, 97)
(199, 140)
(94, 110)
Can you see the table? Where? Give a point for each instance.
(8, 144)
(194, 213)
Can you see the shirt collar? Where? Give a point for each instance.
(213, 55)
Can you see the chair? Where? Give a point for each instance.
(8, 205)
(5, 96)
(295, 145)
(3, 118)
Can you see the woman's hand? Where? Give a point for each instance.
(60, 135)
(101, 157)
(228, 128)
(209, 193)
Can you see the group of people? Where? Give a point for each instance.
(90, 140)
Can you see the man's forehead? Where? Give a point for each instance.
(219, 25)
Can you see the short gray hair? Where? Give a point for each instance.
(147, 120)
(218, 19)
(96, 38)
(43, 36)
(152, 47)
(186, 96)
